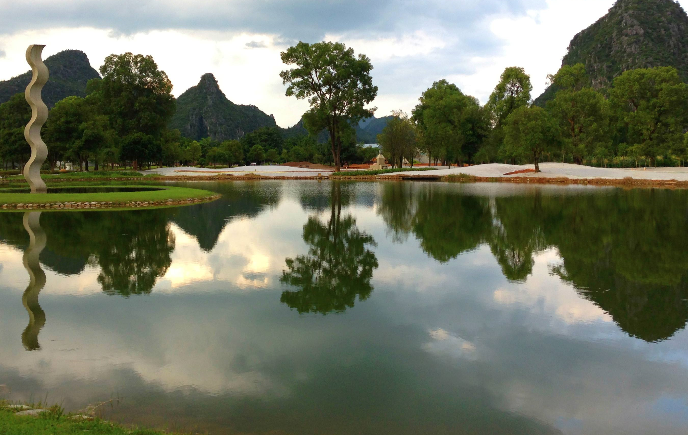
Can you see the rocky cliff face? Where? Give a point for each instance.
(69, 70)
(204, 111)
(634, 34)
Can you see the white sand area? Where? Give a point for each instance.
(556, 170)
(552, 170)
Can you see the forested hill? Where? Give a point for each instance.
(634, 34)
(69, 70)
(204, 111)
(366, 131)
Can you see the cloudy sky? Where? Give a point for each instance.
(411, 43)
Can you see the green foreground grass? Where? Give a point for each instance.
(166, 193)
(379, 172)
(55, 423)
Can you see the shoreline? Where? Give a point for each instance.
(552, 174)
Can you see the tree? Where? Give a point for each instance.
(267, 137)
(570, 78)
(256, 154)
(512, 92)
(398, 139)
(14, 115)
(136, 147)
(195, 152)
(234, 152)
(77, 131)
(272, 156)
(532, 131)
(651, 106)
(452, 125)
(582, 112)
(337, 85)
(135, 95)
(216, 155)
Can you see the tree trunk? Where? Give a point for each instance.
(537, 165)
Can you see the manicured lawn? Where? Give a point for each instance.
(55, 424)
(166, 193)
(90, 174)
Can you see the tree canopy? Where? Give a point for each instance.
(337, 85)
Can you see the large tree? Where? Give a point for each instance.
(530, 131)
(452, 125)
(136, 95)
(337, 85)
(512, 92)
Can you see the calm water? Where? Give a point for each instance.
(359, 308)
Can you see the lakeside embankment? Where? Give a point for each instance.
(551, 173)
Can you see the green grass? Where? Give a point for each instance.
(55, 422)
(90, 174)
(167, 192)
(379, 172)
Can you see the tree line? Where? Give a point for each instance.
(641, 120)
(122, 122)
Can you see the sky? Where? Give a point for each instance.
(411, 43)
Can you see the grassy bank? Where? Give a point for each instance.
(164, 194)
(55, 422)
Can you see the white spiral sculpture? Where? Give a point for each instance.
(32, 132)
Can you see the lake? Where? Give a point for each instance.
(304, 307)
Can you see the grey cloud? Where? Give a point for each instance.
(307, 20)
(255, 44)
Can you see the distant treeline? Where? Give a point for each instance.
(641, 120)
(123, 121)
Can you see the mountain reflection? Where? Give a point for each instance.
(624, 251)
(37, 241)
(338, 267)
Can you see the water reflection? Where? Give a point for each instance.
(623, 250)
(37, 241)
(483, 311)
(338, 267)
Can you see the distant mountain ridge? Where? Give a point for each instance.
(633, 34)
(70, 71)
(204, 111)
(366, 130)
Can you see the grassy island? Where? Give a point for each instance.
(106, 195)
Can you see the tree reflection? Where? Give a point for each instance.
(132, 249)
(131, 264)
(624, 251)
(516, 235)
(338, 267)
